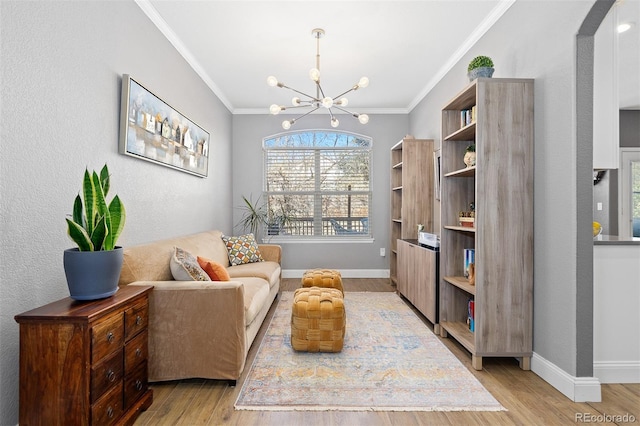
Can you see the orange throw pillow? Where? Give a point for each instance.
(215, 270)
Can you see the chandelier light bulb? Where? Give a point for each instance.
(295, 101)
(275, 109)
(364, 82)
(363, 118)
(286, 124)
(343, 102)
(272, 81)
(625, 26)
(334, 122)
(314, 74)
(327, 102)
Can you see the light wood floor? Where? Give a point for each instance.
(528, 399)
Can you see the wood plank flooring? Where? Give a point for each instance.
(528, 399)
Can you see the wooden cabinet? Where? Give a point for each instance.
(85, 362)
(501, 186)
(417, 278)
(412, 180)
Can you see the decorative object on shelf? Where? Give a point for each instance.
(472, 274)
(480, 66)
(470, 156)
(598, 175)
(320, 99)
(597, 229)
(93, 268)
(152, 130)
(420, 228)
(467, 219)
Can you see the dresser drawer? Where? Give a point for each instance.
(135, 384)
(135, 352)
(106, 374)
(106, 337)
(136, 318)
(109, 408)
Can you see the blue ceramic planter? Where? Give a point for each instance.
(480, 72)
(92, 274)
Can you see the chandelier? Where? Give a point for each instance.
(320, 100)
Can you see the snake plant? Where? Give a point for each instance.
(94, 224)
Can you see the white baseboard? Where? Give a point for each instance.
(617, 371)
(346, 273)
(577, 389)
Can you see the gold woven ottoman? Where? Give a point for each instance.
(318, 320)
(328, 278)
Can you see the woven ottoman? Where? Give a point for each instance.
(327, 278)
(318, 320)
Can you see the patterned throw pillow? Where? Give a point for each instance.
(242, 249)
(215, 270)
(185, 267)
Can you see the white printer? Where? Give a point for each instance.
(428, 240)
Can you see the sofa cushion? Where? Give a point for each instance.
(184, 267)
(267, 270)
(242, 249)
(256, 293)
(215, 270)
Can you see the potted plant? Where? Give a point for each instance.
(254, 215)
(470, 155)
(93, 267)
(480, 66)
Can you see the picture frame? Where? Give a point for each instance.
(152, 130)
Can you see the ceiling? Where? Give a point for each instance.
(403, 47)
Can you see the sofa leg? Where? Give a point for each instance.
(232, 383)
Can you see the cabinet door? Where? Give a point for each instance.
(403, 253)
(425, 282)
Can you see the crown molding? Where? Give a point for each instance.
(164, 28)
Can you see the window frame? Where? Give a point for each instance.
(316, 193)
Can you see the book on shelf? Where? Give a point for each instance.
(471, 314)
(467, 116)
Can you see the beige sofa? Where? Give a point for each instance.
(202, 328)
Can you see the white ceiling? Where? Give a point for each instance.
(404, 47)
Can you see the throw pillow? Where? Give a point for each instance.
(185, 267)
(242, 249)
(215, 270)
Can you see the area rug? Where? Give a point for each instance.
(391, 361)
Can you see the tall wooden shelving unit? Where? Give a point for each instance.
(501, 186)
(412, 180)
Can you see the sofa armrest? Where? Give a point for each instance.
(272, 252)
(196, 329)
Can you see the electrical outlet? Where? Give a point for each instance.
(382, 252)
(599, 206)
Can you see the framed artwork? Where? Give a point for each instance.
(152, 130)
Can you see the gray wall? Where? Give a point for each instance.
(61, 73)
(385, 130)
(537, 40)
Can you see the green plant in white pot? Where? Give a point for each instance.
(480, 66)
(93, 268)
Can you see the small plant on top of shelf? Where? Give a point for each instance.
(480, 66)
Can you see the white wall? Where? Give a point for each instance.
(536, 39)
(386, 130)
(61, 73)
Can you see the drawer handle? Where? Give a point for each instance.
(138, 385)
(138, 320)
(110, 412)
(138, 353)
(111, 376)
(110, 337)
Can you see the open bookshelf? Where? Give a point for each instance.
(412, 179)
(500, 185)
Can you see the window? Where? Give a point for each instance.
(317, 184)
(629, 207)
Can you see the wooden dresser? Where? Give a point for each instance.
(85, 362)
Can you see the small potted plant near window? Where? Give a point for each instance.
(480, 66)
(93, 267)
(470, 155)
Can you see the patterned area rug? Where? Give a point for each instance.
(391, 361)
